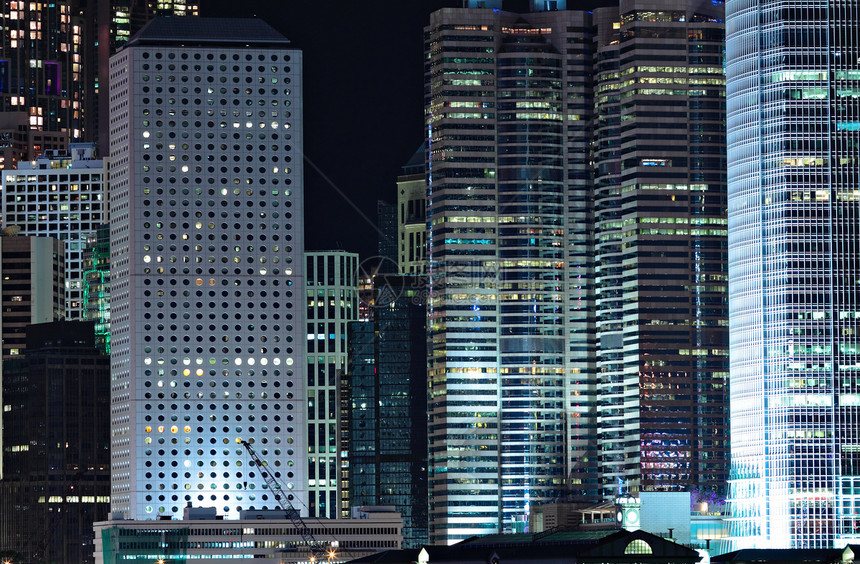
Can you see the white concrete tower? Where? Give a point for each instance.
(206, 259)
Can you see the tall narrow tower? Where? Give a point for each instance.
(660, 246)
(510, 319)
(793, 75)
(207, 344)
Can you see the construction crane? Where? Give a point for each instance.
(319, 552)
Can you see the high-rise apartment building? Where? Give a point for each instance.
(660, 246)
(387, 405)
(511, 369)
(41, 55)
(793, 83)
(412, 216)
(332, 303)
(577, 256)
(207, 270)
(60, 195)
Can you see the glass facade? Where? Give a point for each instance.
(793, 148)
(511, 360)
(661, 246)
(578, 249)
(332, 303)
(387, 402)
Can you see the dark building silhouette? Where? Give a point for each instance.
(57, 450)
(386, 218)
(387, 405)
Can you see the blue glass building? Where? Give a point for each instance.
(793, 116)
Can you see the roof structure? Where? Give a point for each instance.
(570, 547)
(208, 31)
(790, 555)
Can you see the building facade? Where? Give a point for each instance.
(59, 195)
(577, 257)
(412, 216)
(96, 294)
(110, 24)
(387, 405)
(31, 281)
(265, 536)
(511, 369)
(19, 142)
(41, 58)
(332, 304)
(57, 436)
(661, 246)
(793, 83)
(207, 271)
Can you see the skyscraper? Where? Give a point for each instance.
(387, 405)
(577, 256)
(660, 246)
(31, 281)
(110, 24)
(207, 283)
(511, 369)
(793, 82)
(332, 303)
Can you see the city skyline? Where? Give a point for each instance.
(600, 195)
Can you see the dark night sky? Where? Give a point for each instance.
(363, 104)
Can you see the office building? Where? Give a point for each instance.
(386, 244)
(19, 142)
(57, 455)
(268, 537)
(577, 257)
(31, 283)
(31, 291)
(412, 216)
(109, 26)
(511, 366)
(332, 303)
(387, 405)
(41, 59)
(207, 271)
(660, 246)
(793, 84)
(59, 195)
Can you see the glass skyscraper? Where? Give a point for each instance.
(576, 212)
(511, 362)
(660, 246)
(793, 80)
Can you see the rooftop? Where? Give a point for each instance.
(208, 31)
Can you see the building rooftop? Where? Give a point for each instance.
(208, 31)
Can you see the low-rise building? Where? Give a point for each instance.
(268, 537)
(558, 547)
